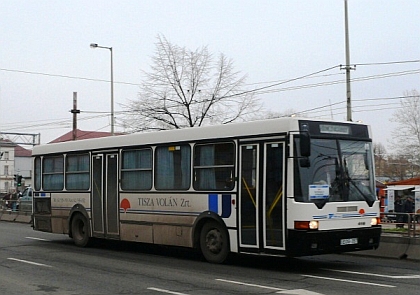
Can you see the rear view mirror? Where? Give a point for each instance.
(305, 144)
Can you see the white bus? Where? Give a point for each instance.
(289, 187)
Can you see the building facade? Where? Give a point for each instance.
(7, 166)
(14, 160)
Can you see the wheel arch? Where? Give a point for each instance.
(78, 209)
(202, 219)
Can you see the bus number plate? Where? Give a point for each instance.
(351, 241)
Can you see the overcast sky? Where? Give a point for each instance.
(45, 56)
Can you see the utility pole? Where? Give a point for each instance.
(75, 111)
(347, 67)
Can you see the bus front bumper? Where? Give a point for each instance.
(305, 243)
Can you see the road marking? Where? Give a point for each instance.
(375, 275)
(165, 291)
(29, 262)
(279, 290)
(299, 292)
(349, 281)
(38, 239)
(251, 285)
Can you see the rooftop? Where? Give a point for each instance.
(80, 134)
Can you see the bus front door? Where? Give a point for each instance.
(261, 196)
(105, 206)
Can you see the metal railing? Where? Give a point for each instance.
(16, 205)
(403, 224)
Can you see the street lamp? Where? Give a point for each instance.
(94, 45)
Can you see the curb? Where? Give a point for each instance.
(395, 248)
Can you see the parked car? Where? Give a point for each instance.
(25, 200)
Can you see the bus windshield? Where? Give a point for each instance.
(339, 171)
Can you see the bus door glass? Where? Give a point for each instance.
(261, 195)
(105, 206)
(249, 191)
(274, 195)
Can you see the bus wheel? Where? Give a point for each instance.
(214, 243)
(79, 229)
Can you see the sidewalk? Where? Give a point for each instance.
(397, 244)
(397, 247)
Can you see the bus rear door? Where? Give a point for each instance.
(105, 206)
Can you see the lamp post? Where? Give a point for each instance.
(94, 45)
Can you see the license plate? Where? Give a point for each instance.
(351, 241)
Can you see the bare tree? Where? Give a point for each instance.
(399, 167)
(379, 152)
(286, 113)
(407, 134)
(187, 88)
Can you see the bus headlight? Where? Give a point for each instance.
(375, 221)
(313, 225)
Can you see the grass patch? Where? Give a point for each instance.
(395, 230)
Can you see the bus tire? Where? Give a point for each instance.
(214, 242)
(80, 230)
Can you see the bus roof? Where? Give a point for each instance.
(261, 127)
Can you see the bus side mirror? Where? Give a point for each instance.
(365, 160)
(305, 149)
(365, 157)
(305, 144)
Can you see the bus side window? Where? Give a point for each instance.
(136, 170)
(77, 172)
(214, 166)
(53, 173)
(173, 167)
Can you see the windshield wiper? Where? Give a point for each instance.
(368, 200)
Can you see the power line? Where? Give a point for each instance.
(388, 63)
(359, 64)
(66, 76)
(282, 82)
(36, 124)
(366, 107)
(65, 123)
(390, 105)
(260, 90)
(335, 82)
(386, 98)
(272, 83)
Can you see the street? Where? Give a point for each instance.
(40, 263)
